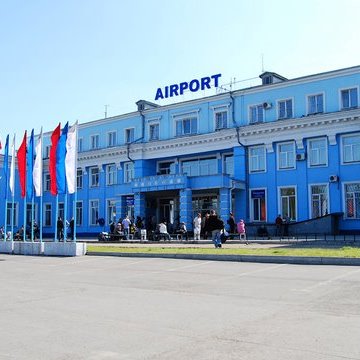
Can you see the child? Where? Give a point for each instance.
(241, 230)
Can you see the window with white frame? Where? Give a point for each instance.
(80, 144)
(31, 213)
(94, 176)
(349, 98)
(319, 200)
(351, 148)
(154, 132)
(285, 108)
(317, 152)
(94, 142)
(111, 174)
(79, 178)
(221, 118)
(48, 214)
(111, 138)
(286, 155)
(256, 114)
(315, 104)
(258, 204)
(352, 200)
(200, 167)
(129, 135)
(166, 168)
(79, 213)
(94, 212)
(128, 172)
(61, 212)
(47, 151)
(110, 210)
(47, 182)
(229, 165)
(186, 125)
(257, 158)
(288, 202)
(9, 211)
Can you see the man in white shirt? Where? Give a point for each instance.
(163, 231)
(197, 227)
(126, 225)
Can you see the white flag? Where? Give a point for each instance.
(12, 168)
(70, 158)
(38, 167)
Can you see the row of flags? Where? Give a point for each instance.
(62, 163)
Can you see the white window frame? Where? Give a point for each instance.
(94, 136)
(51, 214)
(157, 123)
(80, 144)
(126, 137)
(111, 138)
(82, 213)
(47, 181)
(280, 211)
(342, 137)
(91, 185)
(114, 175)
(310, 198)
(47, 151)
(307, 103)
(224, 156)
(256, 121)
(340, 97)
(199, 159)
(292, 106)
(107, 209)
(278, 155)
(251, 205)
(79, 177)
(221, 109)
(128, 179)
(309, 141)
(172, 160)
(90, 209)
(16, 217)
(249, 159)
(186, 116)
(344, 199)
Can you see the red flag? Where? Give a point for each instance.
(52, 161)
(21, 156)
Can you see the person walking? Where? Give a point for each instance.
(279, 226)
(205, 225)
(60, 229)
(197, 226)
(215, 225)
(232, 224)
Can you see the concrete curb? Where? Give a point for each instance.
(242, 258)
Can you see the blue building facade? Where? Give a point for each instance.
(289, 147)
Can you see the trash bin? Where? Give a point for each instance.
(143, 234)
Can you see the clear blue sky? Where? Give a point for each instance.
(64, 60)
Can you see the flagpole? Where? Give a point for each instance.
(41, 218)
(65, 216)
(75, 194)
(24, 232)
(32, 218)
(56, 216)
(5, 217)
(12, 216)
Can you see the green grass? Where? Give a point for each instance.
(345, 251)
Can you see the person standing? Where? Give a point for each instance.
(279, 226)
(241, 230)
(205, 225)
(232, 224)
(215, 225)
(72, 227)
(197, 226)
(60, 229)
(126, 226)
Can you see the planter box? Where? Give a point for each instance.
(6, 247)
(64, 249)
(28, 248)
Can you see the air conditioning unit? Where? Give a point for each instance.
(333, 178)
(267, 105)
(300, 156)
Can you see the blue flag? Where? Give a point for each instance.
(30, 167)
(60, 161)
(6, 166)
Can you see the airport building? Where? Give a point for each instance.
(285, 146)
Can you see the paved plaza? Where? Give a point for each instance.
(146, 308)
